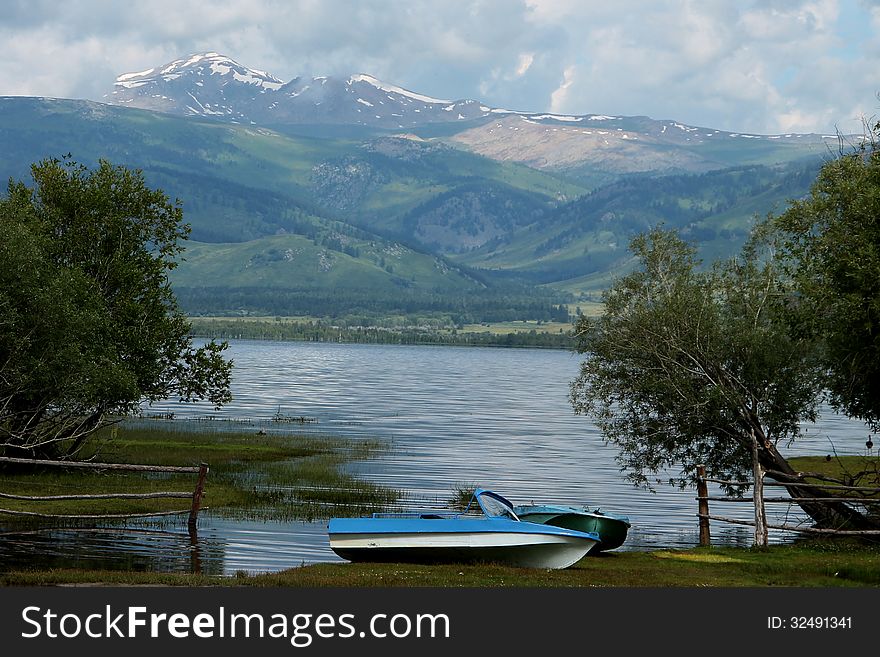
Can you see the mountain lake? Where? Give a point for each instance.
(453, 416)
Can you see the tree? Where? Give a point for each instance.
(829, 244)
(689, 367)
(89, 326)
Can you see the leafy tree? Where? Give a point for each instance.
(688, 367)
(89, 326)
(829, 243)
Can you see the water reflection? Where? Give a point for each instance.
(110, 548)
(220, 547)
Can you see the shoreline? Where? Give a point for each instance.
(273, 330)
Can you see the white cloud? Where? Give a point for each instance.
(762, 67)
(524, 63)
(559, 98)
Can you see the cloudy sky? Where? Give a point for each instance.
(763, 66)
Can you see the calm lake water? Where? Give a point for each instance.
(497, 418)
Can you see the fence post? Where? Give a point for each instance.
(758, 495)
(703, 505)
(197, 496)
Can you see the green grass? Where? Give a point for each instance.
(852, 470)
(825, 563)
(521, 326)
(268, 476)
(384, 329)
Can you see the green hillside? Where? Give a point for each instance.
(575, 246)
(332, 260)
(287, 211)
(235, 180)
(333, 221)
(350, 281)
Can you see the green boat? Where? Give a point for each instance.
(612, 528)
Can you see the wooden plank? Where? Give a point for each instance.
(99, 496)
(103, 466)
(797, 528)
(795, 483)
(105, 516)
(866, 500)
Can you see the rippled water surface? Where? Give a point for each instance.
(499, 418)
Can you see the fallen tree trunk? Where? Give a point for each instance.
(812, 498)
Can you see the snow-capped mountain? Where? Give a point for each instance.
(211, 84)
(207, 84)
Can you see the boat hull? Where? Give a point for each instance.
(612, 530)
(519, 544)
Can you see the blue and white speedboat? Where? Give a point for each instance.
(495, 535)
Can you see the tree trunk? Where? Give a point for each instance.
(829, 515)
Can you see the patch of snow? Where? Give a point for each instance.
(367, 103)
(294, 94)
(557, 117)
(507, 111)
(601, 117)
(129, 76)
(248, 77)
(369, 79)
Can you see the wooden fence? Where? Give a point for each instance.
(759, 500)
(195, 496)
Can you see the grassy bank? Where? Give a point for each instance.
(825, 563)
(851, 470)
(253, 474)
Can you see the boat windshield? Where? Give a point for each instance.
(494, 506)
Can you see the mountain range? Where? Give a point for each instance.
(211, 85)
(329, 195)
